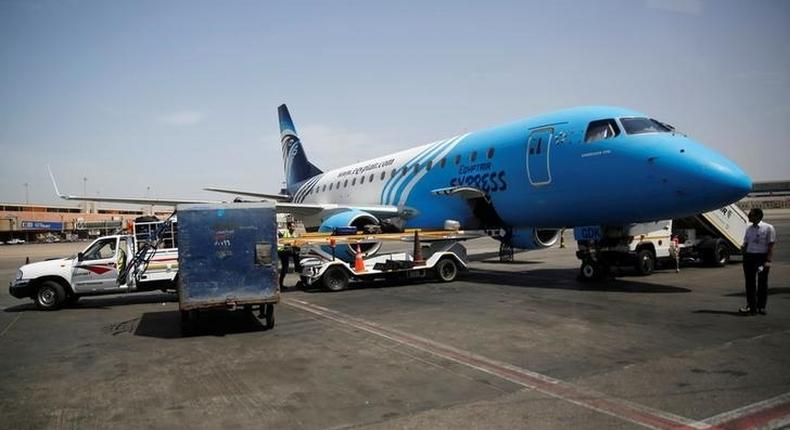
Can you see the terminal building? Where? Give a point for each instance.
(32, 222)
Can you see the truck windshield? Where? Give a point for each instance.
(645, 125)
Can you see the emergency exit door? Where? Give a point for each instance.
(538, 148)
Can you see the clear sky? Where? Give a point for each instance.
(178, 95)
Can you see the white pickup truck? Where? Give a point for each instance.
(94, 271)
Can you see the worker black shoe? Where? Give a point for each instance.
(762, 311)
(746, 311)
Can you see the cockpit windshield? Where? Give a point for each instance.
(645, 125)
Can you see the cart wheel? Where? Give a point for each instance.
(188, 322)
(446, 269)
(268, 311)
(335, 279)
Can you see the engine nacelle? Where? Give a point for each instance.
(534, 238)
(353, 218)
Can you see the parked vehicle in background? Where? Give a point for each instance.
(15, 241)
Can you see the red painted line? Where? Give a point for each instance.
(599, 402)
(771, 416)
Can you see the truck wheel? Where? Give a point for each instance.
(446, 269)
(721, 255)
(590, 271)
(268, 312)
(645, 262)
(49, 296)
(335, 279)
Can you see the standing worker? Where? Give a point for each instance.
(757, 249)
(284, 252)
(674, 251)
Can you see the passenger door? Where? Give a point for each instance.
(538, 148)
(96, 272)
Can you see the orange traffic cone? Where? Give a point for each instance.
(359, 263)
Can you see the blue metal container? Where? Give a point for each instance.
(227, 256)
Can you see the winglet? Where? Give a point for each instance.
(55, 184)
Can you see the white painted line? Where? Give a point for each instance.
(600, 402)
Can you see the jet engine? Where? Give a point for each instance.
(362, 221)
(534, 238)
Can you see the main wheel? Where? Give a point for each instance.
(645, 262)
(446, 269)
(49, 296)
(505, 253)
(335, 279)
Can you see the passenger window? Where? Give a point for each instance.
(458, 159)
(490, 153)
(383, 175)
(353, 181)
(394, 172)
(345, 183)
(443, 162)
(416, 168)
(330, 187)
(362, 180)
(404, 170)
(601, 130)
(473, 156)
(429, 165)
(371, 178)
(324, 189)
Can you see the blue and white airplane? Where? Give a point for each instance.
(575, 167)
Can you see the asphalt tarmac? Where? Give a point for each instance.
(520, 345)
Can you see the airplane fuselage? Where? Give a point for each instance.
(544, 172)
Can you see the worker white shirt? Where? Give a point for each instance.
(758, 238)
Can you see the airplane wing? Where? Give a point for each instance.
(276, 197)
(304, 209)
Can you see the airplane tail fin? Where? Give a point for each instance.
(297, 168)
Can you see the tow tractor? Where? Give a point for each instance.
(443, 258)
(710, 238)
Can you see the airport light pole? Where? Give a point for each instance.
(84, 185)
(27, 193)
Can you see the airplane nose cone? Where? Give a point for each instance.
(716, 180)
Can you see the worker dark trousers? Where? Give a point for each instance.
(283, 256)
(756, 292)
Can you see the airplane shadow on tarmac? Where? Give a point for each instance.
(104, 302)
(167, 324)
(563, 279)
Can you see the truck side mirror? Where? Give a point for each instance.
(80, 256)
